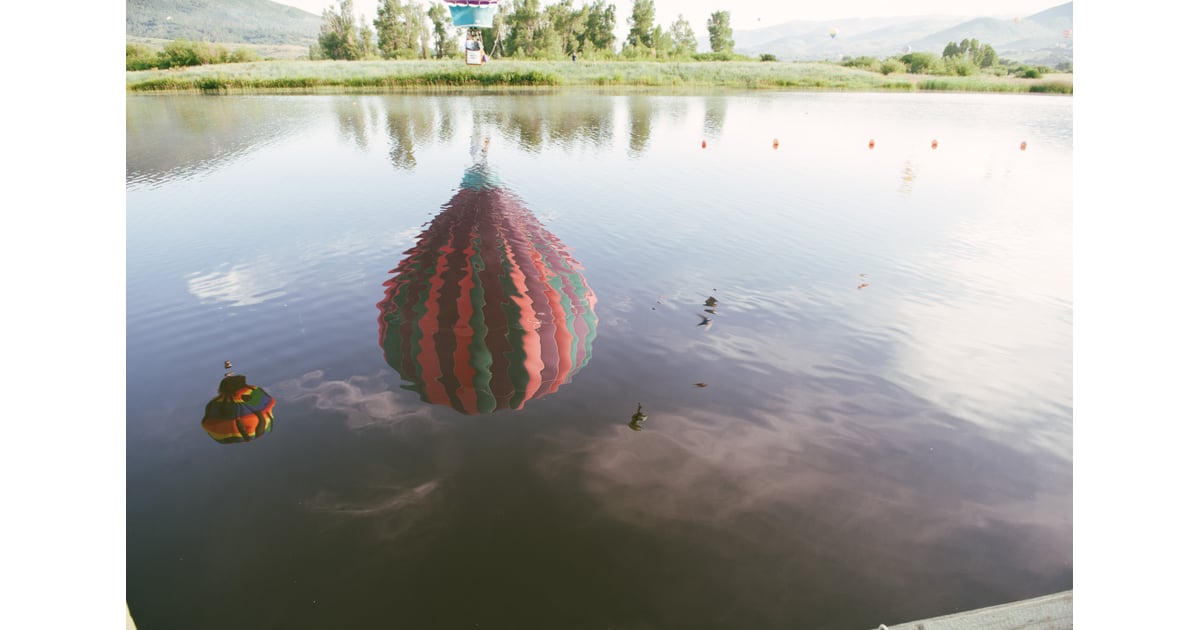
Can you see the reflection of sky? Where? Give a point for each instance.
(980, 235)
(239, 285)
(909, 498)
(364, 400)
(972, 258)
(913, 431)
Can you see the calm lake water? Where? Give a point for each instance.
(853, 363)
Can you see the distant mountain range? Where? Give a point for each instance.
(1037, 38)
(260, 22)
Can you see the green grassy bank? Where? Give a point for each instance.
(377, 76)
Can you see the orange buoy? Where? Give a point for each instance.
(934, 145)
(704, 144)
(1022, 145)
(775, 144)
(871, 144)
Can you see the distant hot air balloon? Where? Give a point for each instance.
(239, 413)
(473, 15)
(833, 32)
(488, 310)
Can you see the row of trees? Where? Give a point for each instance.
(402, 30)
(963, 58)
(521, 29)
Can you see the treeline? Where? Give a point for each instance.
(521, 29)
(182, 52)
(965, 58)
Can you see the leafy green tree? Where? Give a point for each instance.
(444, 33)
(403, 33)
(960, 66)
(548, 44)
(523, 23)
(720, 32)
(600, 28)
(366, 39)
(987, 56)
(181, 53)
(920, 62)
(338, 38)
(683, 37)
(892, 65)
(641, 24)
(951, 50)
(568, 23)
(243, 55)
(387, 26)
(664, 45)
(139, 57)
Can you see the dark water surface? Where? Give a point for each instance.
(854, 363)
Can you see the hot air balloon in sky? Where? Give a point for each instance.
(833, 32)
(239, 413)
(473, 15)
(488, 310)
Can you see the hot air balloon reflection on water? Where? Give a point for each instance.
(488, 310)
(473, 15)
(239, 413)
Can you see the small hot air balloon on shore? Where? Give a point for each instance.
(473, 15)
(488, 310)
(240, 412)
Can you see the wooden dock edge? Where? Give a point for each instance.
(1049, 612)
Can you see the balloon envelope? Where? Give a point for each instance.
(477, 13)
(488, 310)
(239, 413)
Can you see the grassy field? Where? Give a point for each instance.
(377, 76)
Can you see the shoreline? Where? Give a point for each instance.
(352, 77)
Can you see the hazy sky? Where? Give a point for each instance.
(758, 13)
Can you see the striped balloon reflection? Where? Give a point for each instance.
(488, 310)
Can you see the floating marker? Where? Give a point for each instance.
(934, 145)
(871, 144)
(704, 144)
(1022, 145)
(775, 144)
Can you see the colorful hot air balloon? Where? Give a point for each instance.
(488, 310)
(833, 33)
(473, 15)
(478, 13)
(239, 413)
